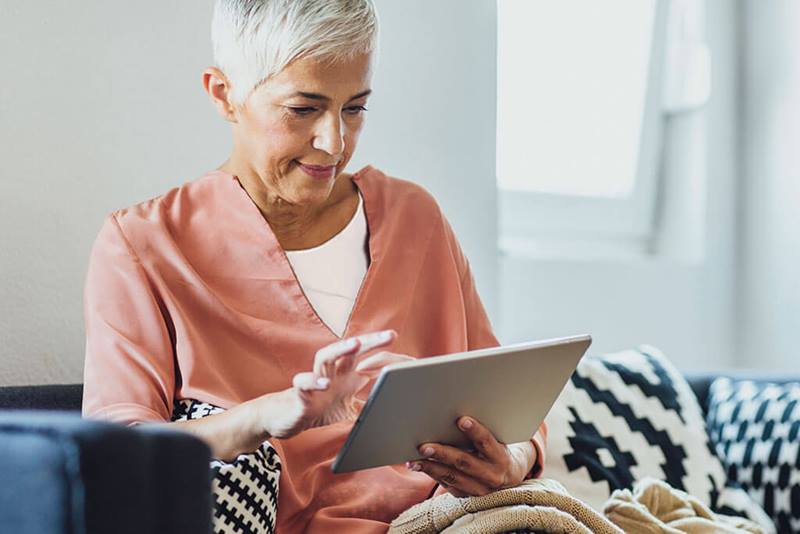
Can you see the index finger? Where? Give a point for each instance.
(352, 346)
(482, 438)
(329, 353)
(374, 340)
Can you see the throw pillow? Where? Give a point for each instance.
(630, 415)
(244, 490)
(756, 430)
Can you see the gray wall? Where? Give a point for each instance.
(102, 107)
(769, 305)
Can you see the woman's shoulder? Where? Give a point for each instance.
(184, 196)
(398, 194)
(169, 211)
(410, 208)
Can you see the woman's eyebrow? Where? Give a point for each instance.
(323, 98)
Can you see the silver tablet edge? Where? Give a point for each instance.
(554, 342)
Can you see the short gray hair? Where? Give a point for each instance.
(255, 39)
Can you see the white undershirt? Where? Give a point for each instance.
(331, 273)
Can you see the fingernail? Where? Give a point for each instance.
(415, 467)
(427, 451)
(466, 424)
(322, 382)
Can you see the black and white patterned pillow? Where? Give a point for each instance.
(245, 490)
(630, 415)
(756, 430)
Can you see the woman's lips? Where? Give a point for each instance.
(318, 171)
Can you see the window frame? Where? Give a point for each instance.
(547, 223)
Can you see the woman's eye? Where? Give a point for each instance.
(308, 110)
(302, 110)
(355, 110)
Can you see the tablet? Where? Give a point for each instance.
(508, 389)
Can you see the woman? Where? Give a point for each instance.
(263, 289)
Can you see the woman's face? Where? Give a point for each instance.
(298, 130)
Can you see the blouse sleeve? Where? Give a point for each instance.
(480, 333)
(129, 371)
(479, 329)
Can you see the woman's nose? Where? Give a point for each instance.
(330, 136)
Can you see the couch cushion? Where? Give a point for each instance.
(755, 427)
(701, 382)
(630, 415)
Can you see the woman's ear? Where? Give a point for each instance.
(217, 86)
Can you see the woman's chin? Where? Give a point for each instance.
(311, 195)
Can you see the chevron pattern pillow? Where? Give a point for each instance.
(630, 415)
(756, 430)
(244, 490)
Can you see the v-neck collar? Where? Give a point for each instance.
(277, 263)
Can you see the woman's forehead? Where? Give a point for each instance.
(322, 79)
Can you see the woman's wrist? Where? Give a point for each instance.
(229, 433)
(260, 415)
(525, 457)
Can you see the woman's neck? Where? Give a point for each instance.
(296, 226)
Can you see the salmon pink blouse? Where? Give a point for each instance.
(190, 296)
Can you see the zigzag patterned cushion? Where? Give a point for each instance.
(245, 490)
(630, 415)
(756, 429)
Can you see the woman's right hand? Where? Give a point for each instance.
(327, 394)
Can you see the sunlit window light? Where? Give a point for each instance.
(572, 80)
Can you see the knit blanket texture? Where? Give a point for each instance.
(544, 505)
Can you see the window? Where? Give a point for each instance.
(579, 121)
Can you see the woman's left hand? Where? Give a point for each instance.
(492, 467)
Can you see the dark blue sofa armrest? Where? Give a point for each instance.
(63, 474)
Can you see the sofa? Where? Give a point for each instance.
(64, 474)
(732, 442)
(61, 474)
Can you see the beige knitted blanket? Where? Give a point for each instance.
(544, 505)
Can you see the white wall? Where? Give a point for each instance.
(769, 319)
(678, 300)
(101, 106)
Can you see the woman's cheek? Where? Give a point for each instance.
(350, 143)
(283, 144)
